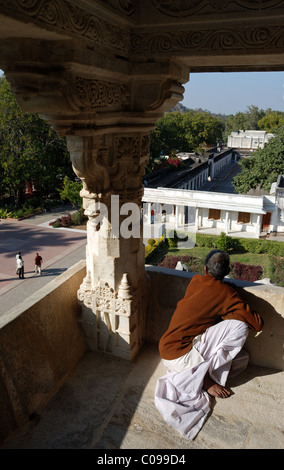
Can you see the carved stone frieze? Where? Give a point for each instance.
(194, 7)
(127, 7)
(66, 16)
(240, 39)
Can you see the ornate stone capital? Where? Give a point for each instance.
(110, 164)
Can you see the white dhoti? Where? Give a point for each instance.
(179, 395)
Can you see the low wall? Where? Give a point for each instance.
(41, 344)
(42, 341)
(265, 349)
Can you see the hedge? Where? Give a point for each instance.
(248, 245)
(151, 248)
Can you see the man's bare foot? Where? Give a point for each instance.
(213, 389)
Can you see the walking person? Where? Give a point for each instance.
(20, 267)
(38, 261)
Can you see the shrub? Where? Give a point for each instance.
(151, 249)
(78, 218)
(11, 212)
(18, 214)
(278, 271)
(246, 272)
(5, 213)
(242, 245)
(172, 238)
(207, 241)
(224, 242)
(33, 203)
(56, 224)
(66, 220)
(170, 261)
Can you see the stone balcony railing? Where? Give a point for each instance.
(42, 340)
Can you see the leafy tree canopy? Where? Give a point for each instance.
(247, 120)
(271, 121)
(184, 132)
(71, 192)
(30, 151)
(262, 169)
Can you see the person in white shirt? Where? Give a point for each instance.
(20, 267)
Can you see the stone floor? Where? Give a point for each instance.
(107, 404)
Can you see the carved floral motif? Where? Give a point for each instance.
(101, 94)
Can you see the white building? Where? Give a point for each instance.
(248, 140)
(197, 170)
(208, 212)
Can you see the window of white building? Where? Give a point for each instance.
(243, 217)
(214, 214)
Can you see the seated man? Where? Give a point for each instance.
(202, 345)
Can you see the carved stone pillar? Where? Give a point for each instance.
(106, 110)
(113, 293)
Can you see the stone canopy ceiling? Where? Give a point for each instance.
(204, 35)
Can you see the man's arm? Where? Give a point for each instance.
(235, 308)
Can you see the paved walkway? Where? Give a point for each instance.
(60, 249)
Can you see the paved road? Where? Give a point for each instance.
(59, 248)
(224, 180)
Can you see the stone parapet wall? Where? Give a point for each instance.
(42, 339)
(41, 344)
(265, 349)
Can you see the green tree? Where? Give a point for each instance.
(248, 120)
(184, 132)
(168, 136)
(30, 151)
(202, 128)
(71, 192)
(263, 168)
(271, 121)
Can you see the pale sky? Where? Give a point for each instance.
(228, 93)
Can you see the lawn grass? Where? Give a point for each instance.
(255, 259)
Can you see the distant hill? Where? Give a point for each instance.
(179, 107)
